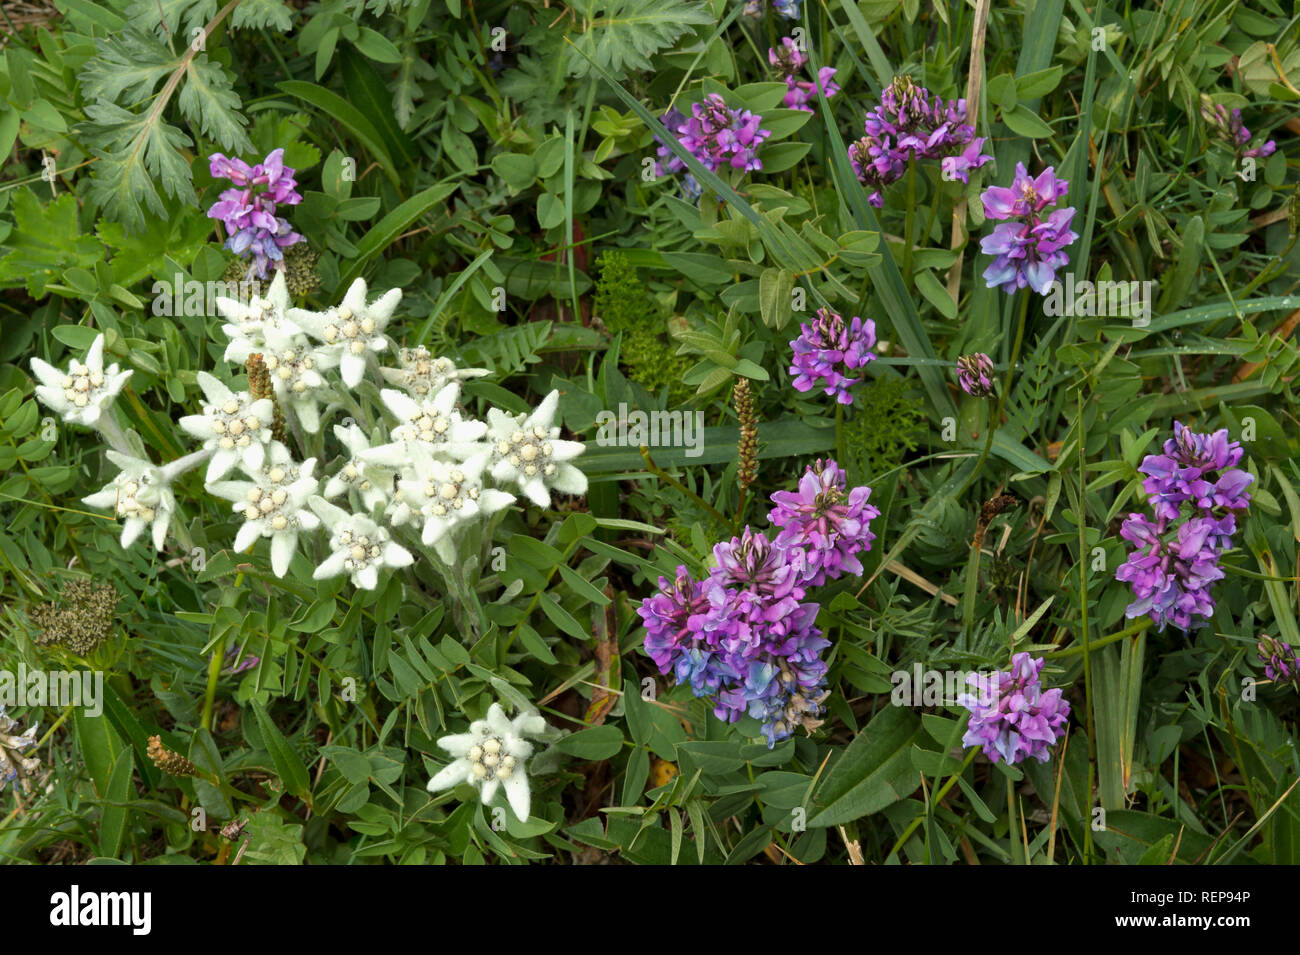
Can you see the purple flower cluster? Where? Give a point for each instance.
(1230, 127)
(714, 134)
(248, 209)
(1279, 662)
(827, 350)
(910, 124)
(823, 525)
(1028, 250)
(975, 374)
(789, 60)
(745, 636)
(1173, 568)
(1013, 717)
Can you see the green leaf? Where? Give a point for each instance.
(288, 764)
(535, 645)
(100, 747)
(1025, 122)
(134, 150)
(583, 588)
(339, 110)
(516, 170)
(48, 239)
(368, 93)
(387, 229)
(272, 841)
(935, 293)
(128, 67)
(562, 618)
(594, 743)
(774, 297)
(209, 102)
(626, 32)
(781, 156)
(112, 821)
(377, 46)
(875, 771)
(93, 12)
(1032, 86)
(262, 14)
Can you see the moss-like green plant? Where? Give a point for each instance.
(887, 423)
(624, 304)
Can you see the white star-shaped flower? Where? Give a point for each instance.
(374, 483)
(295, 368)
(527, 449)
(422, 374)
(351, 330)
(273, 504)
(82, 394)
(492, 754)
(358, 546)
(141, 495)
(434, 424)
(445, 494)
(248, 324)
(234, 426)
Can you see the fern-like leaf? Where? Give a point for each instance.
(134, 150)
(509, 350)
(175, 18)
(261, 14)
(210, 103)
(621, 35)
(127, 67)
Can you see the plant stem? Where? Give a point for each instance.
(1006, 388)
(214, 670)
(909, 222)
(1131, 630)
(1012, 833)
(671, 481)
(938, 795)
(465, 606)
(1083, 619)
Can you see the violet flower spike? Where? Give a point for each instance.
(975, 375)
(1029, 247)
(824, 526)
(1013, 717)
(827, 352)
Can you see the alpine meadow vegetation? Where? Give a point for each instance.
(649, 432)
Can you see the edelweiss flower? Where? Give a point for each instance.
(234, 426)
(374, 482)
(493, 753)
(352, 329)
(358, 546)
(141, 494)
(527, 449)
(295, 369)
(421, 374)
(273, 504)
(446, 495)
(83, 393)
(433, 424)
(249, 323)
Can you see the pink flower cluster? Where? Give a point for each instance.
(248, 210)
